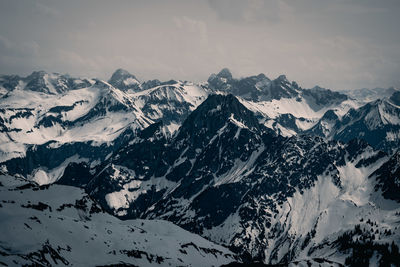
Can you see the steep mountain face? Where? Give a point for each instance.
(395, 98)
(36, 166)
(253, 87)
(377, 122)
(170, 102)
(261, 88)
(124, 81)
(270, 198)
(61, 225)
(50, 107)
(251, 164)
(159, 153)
(388, 177)
(324, 97)
(279, 104)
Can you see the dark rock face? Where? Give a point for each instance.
(388, 177)
(376, 122)
(324, 96)
(261, 88)
(124, 81)
(76, 174)
(36, 82)
(370, 123)
(9, 82)
(395, 98)
(222, 174)
(254, 87)
(39, 155)
(222, 163)
(169, 103)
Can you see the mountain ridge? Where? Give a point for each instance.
(256, 172)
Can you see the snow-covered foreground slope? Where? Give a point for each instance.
(61, 225)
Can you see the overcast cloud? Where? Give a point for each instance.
(338, 44)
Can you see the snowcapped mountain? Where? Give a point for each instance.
(98, 113)
(124, 81)
(46, 107)
(170, 102)
(251, 164)
(376, 122)
(234, 181)
(365, 95)
(40, 81)
(61, 225)
(280, 104)
(260, 88)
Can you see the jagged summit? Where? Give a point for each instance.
(282, 78)
(225, 73)
(207, 157)
(121, 73)
(50, 83)
(124, 80)
(216, 110)
(37, 73)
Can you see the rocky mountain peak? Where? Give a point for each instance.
(225, 73)
(124, 80)
(282, 78)
(121, 73)
(217, 109)
(37, 74)
(50, 83)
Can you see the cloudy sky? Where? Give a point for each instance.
(338, 44)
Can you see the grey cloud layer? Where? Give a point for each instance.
(336, 44)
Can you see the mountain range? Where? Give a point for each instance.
(271, 171)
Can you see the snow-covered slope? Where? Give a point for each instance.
(46, 107)
(366, 95)
(124, 81)
(61, 225)
(280, 104)
(376, 122)
(170, 103)
(269, 198)
(227, 159)
(97, 113)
